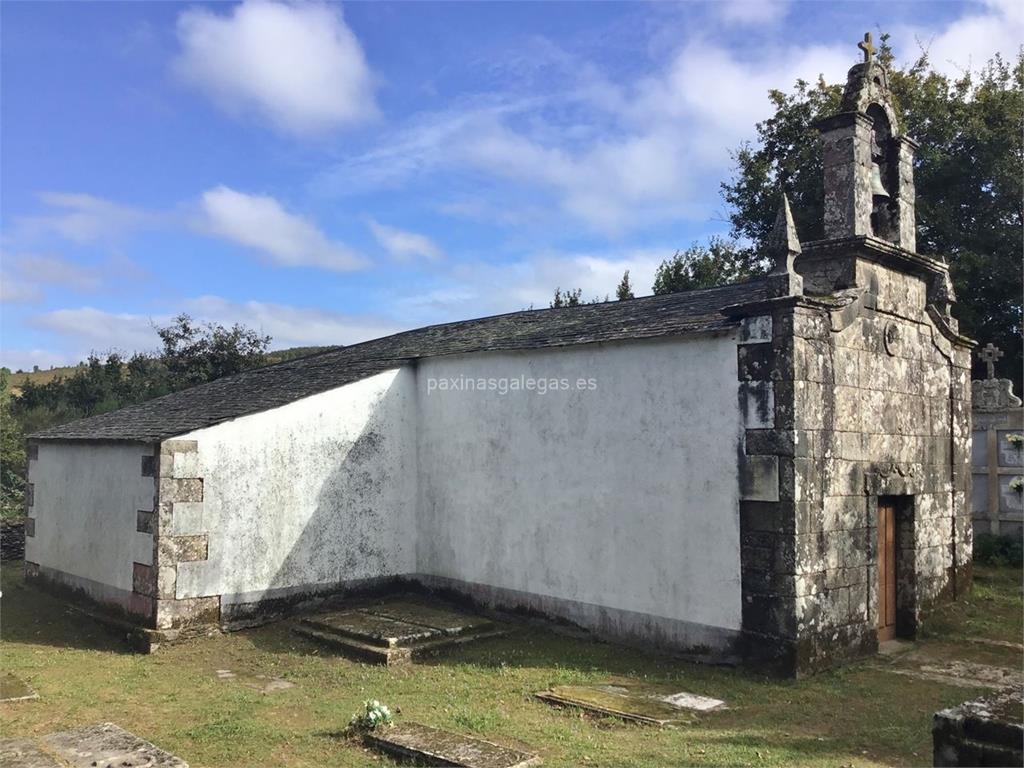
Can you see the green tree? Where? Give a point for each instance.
(719, 262)
(192, 353)
(968, 173)
(570, 298)
(625, 289)
(195, 353)
(12, 455)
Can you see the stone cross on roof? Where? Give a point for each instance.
(989, 355)
(868, 48)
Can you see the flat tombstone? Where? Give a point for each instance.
(261, 683)
(108, 746)
(435, 616)
(378, 630)
(15, 689)
(613, 701)
(24, 753)
(432, 746)
(630, 701)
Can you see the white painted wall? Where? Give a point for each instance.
(622, 494)
(315, 492)
(86, 499)
(625, 496)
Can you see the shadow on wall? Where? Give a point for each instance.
(362, 524)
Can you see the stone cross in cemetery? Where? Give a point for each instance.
(997, 457)
(868, 48)
(989, 355)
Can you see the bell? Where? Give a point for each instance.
(877, 187)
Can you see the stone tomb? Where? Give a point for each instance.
(630, 701)
(986, 731)
(395, 631)
(432, 746)
(97, 746)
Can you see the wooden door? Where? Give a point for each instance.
(886, 571)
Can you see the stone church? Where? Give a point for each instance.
(776, 471)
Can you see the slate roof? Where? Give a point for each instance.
(276, 385)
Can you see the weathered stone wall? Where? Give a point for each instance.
(12, 540)
(884, 404)
(868, 400)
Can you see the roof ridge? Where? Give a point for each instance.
(271, 386)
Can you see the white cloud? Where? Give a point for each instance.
(476, 289)
(287, 239)
(83, 218)
(292, 326)
(53, 270)
(469, 289)
(15, 291)
(614, 157)
(752, 12)
(402, 244)
(966, 43)
(88, 329)
(98, 330)
(296, 64)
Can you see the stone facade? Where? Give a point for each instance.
(850, 396)
(854, 389)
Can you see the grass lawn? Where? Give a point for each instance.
(861, 715)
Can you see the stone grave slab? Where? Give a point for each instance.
(631, 701)
(374, 628)
(261, 683)
(25, 753)
(612, 700)
(432, 746)
(438, 617)
(13, 688)
(108, 746)
(395, 630)
(693, 701)
(965, 674)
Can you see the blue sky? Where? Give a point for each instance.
(331, 173)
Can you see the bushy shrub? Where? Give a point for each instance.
(1003, 550)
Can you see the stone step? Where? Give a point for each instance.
(353, 648)
(432, 746)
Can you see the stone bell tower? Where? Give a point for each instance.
(868, 163)
(854, 394)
